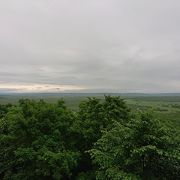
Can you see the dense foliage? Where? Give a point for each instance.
(140, 149)
(36, 142)
(102, 140)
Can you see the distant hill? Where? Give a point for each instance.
(88, 94)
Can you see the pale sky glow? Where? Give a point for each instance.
(25, 88)
(90, 45)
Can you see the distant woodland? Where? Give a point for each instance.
(103, 140)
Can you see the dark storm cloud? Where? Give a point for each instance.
(117, 45)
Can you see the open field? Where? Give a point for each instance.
(165, 107)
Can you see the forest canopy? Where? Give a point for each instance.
(103, 140)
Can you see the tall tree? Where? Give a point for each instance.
(35, 142)
(94, 116)
(140, 149)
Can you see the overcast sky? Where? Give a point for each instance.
(90, 45)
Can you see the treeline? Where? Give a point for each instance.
(104, 140)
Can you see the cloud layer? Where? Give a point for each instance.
(99, 45)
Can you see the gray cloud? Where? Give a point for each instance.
(117, 45)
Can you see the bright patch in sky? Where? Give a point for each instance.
(38, 87)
